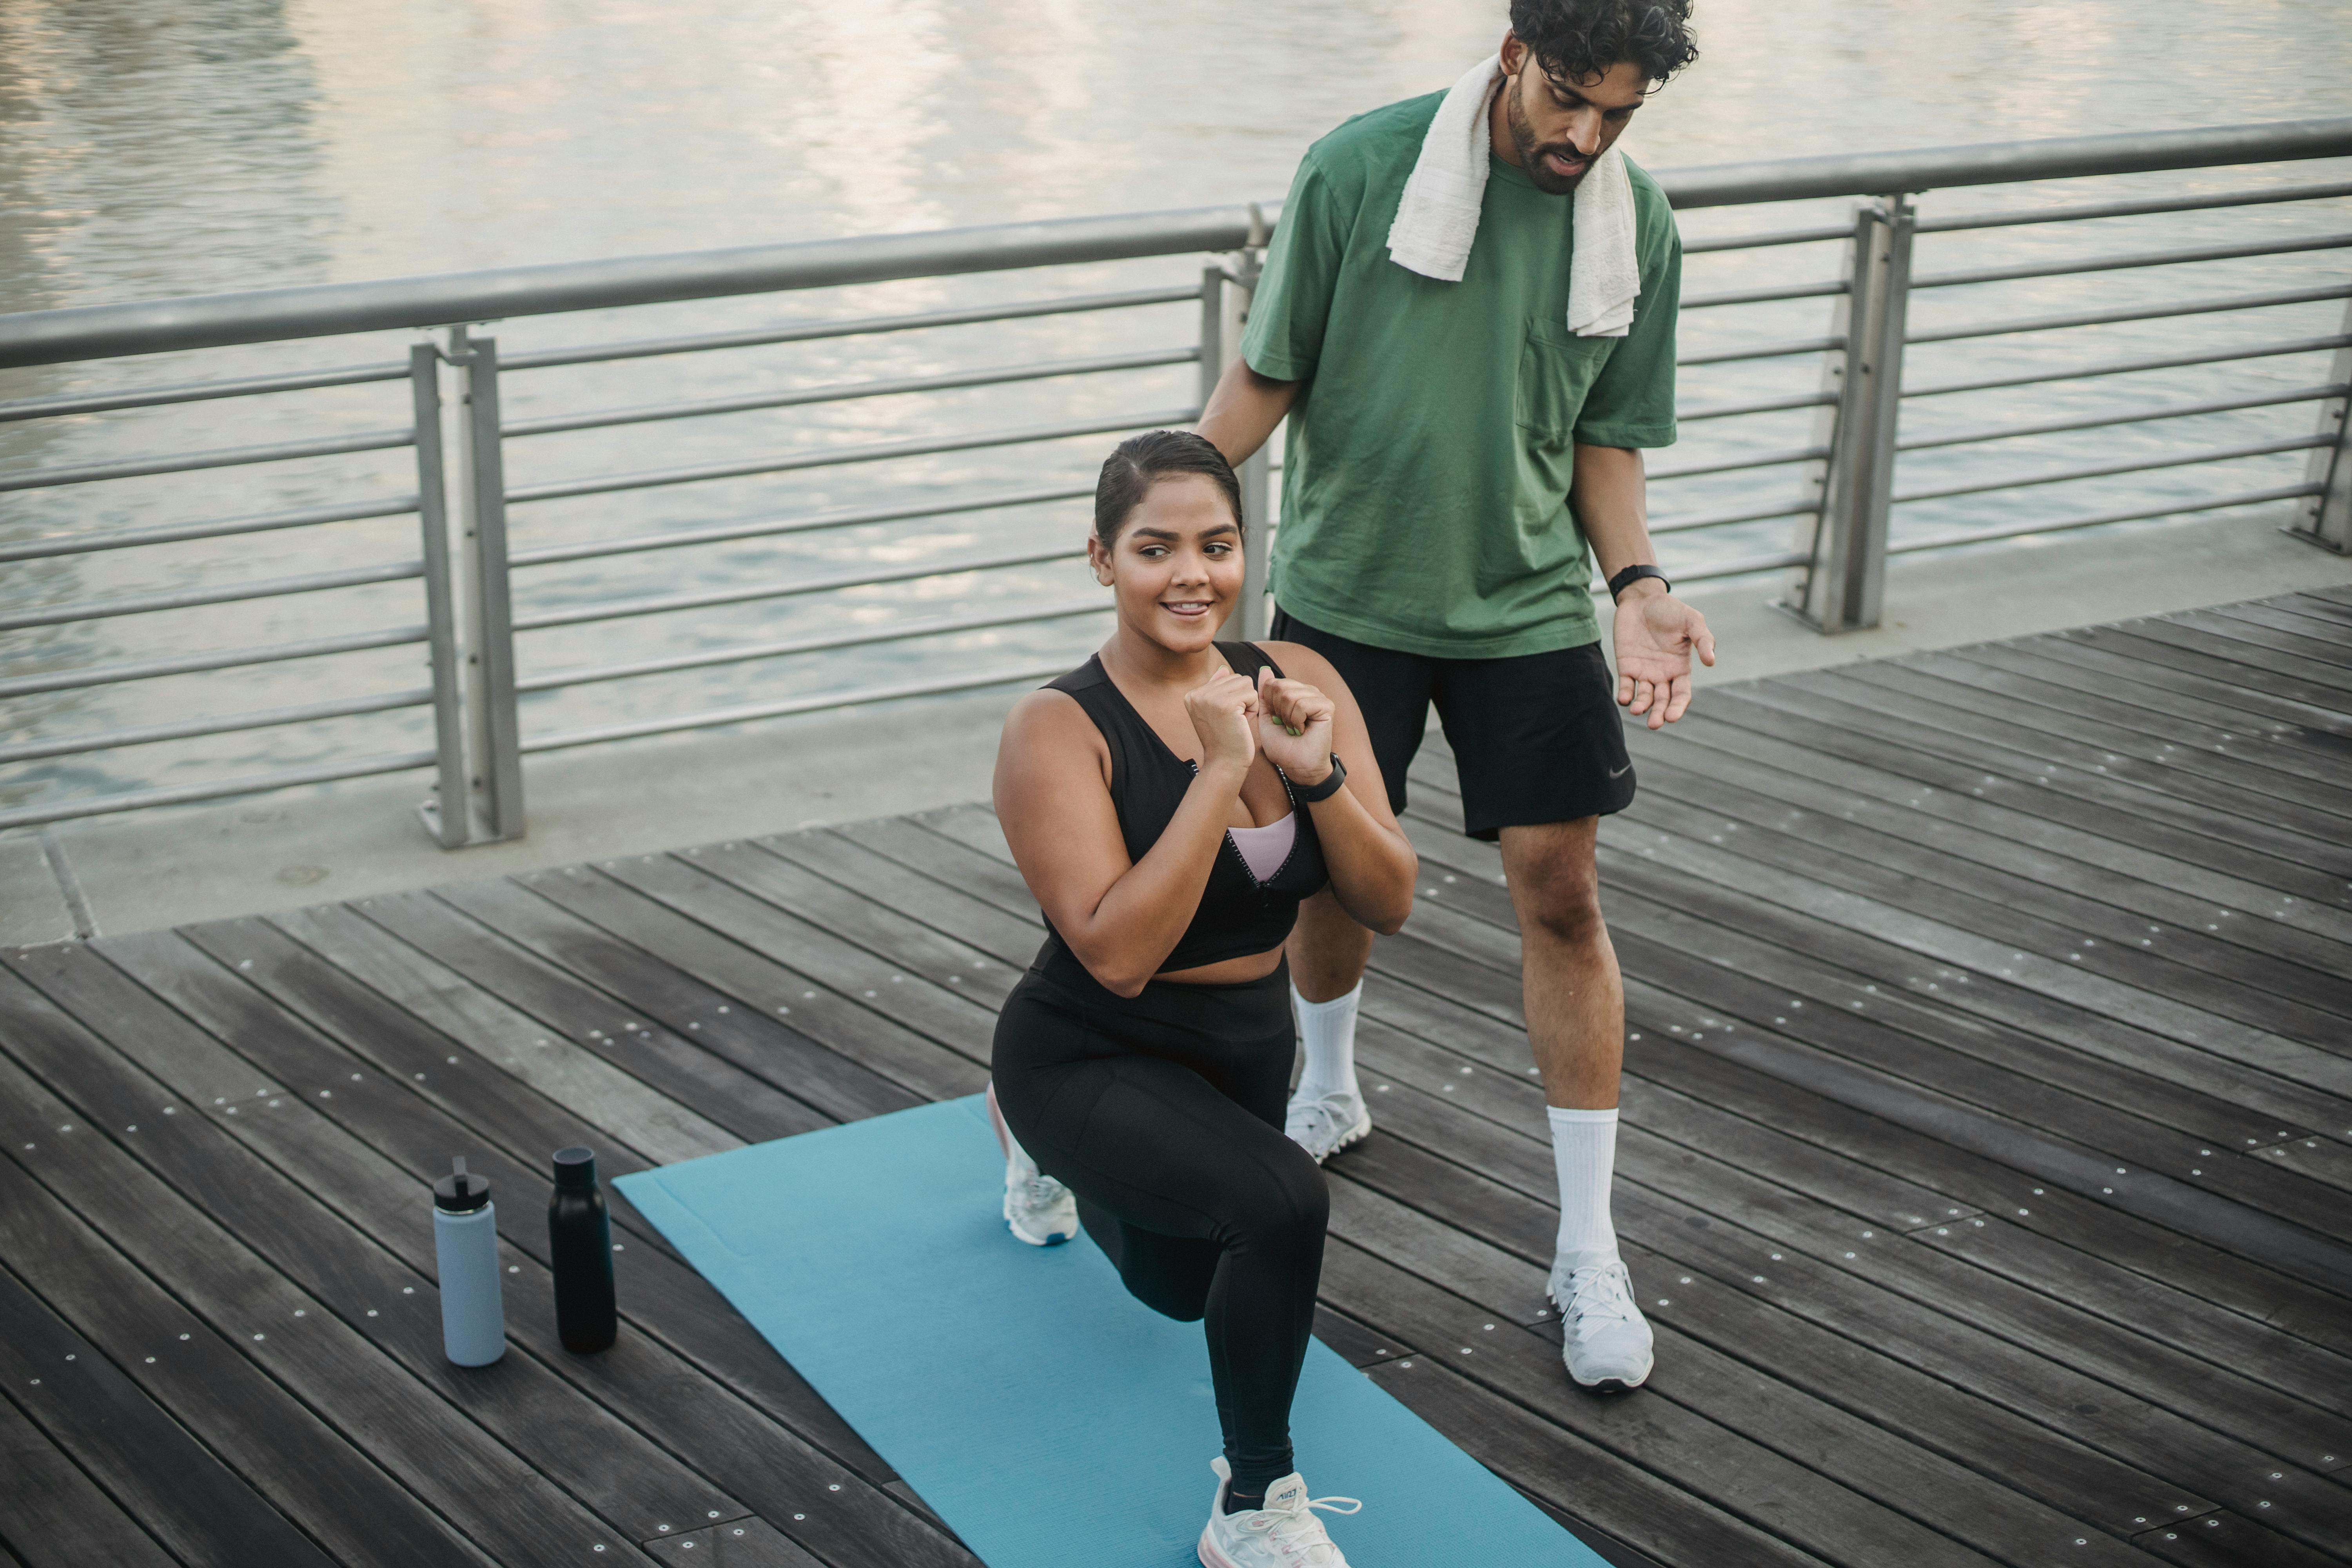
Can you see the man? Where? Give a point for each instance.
(1454, 449)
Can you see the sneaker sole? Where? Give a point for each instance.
(1347, 1139)
(1050, 1238)
(1612, 1385)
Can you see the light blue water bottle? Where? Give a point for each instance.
(465, 1251)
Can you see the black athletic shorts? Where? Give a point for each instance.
(1536, 737)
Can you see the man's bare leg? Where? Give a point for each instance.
(1327, 952)
(1575, 1004)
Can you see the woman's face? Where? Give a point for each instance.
(1176, 565)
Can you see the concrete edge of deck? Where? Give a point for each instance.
(149, 870)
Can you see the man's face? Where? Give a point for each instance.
(1560, 127)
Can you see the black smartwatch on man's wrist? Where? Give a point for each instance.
(1631, 575)
(1307, 795)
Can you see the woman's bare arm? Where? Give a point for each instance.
(1121, 918)
(1372, 864)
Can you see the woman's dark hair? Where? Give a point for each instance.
(1578, 40)
(1138, 463)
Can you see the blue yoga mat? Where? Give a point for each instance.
(1052, 1419)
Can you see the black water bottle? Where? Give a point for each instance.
(580, 1245)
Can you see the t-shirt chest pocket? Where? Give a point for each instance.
(1557, 369)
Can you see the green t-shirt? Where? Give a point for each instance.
(1424, 495)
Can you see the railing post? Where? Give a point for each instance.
(449, 827)
(495, 737)
(2326, 519)
(1224, 308)
(1844, 579)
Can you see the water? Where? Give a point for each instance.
(232, 144)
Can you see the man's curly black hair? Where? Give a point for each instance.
(1578, 40)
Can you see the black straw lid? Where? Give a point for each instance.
(461, 1191)
(575, 1169)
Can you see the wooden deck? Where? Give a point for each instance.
(1986, 1173)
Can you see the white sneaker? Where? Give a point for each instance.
(1324, 1126)
(1282, 1535)
(1038, 1209)
(1607, 1342)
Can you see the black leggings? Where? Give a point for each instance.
(1163, 1114)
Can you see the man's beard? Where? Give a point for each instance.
(1531, 156)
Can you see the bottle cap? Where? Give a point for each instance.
(461, 1191)
(575, 1169)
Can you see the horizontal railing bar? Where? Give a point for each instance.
(1725, 518)
(1769, 351)
(2133, 313)
(2002, 163)
(188, 728)
(1765, 296)
(2107, 470)
(185, 794)
(1733, 464)
(638, 543)
(2127, 367)
(99, 332)
(1759, 241)
(792, 706)
(980, 621)
(2144, 259)
(270, 588)
(843, 392)
(196, 392)
(53, 544)
(1765, 406)
(2019, 530)
(856, 326)
(620, 609)
(844, 455)
(184, 462)
(197, 663)
(1741, 566)
(2133, 210)
(2135, 416)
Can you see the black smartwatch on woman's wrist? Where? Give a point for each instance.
(1307, 795)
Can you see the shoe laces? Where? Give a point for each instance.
(1040, 1192)
(1599, 1291)
(1295, 1533)
(1321, 1118)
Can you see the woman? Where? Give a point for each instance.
(1170, 804)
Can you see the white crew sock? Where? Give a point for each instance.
(1327, 1032)
(1584, 1153)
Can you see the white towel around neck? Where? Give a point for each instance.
(1438, 217)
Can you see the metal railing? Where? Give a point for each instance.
(1841, 503)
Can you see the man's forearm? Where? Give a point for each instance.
(1610, 500)
(1244, 410)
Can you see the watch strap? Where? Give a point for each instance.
(1307, 795)
(1632, 574)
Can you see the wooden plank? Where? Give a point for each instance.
(849, 970)
(739, 1543)
(1586, 1482)
(1878, 1289)
(839, 854)
(2081, 728)
(1950, 1460)
(2202, 807)
(2318, 658)
(187, 1498)
(760, 979)
(2328, 612)
(600, 1092)
(2162, 714)
(2294, 960)
(2274, 861)
(653, 1392)
(717, 1090)
(54, 1516)
(328, 1267)
(2216, 690)
(513, 1513)
(755, 1039)
(2224, 1539)
(2231, 664)
(1740, 1476)
(662, 1296)
(330, 1490)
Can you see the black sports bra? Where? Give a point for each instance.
(1238, 914)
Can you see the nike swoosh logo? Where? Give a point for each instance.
(1621, 773)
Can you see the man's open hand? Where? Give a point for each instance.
(1655, 634)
